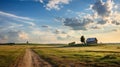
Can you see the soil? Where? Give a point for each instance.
(31, 59)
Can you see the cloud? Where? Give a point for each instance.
(95, 27)
(116, 22)
(23, 35)
(3, 39)
(45, 26)
(67, 37)
(43, 36)
(57, 31)
(103, 8)
(41, 1)
(13, 36)
(76, 23)
(13, 27)
(106, 12)
(5, 26)
(102, 21)
(115, 30)
(14, 16)
(31, 23)
(55, 4)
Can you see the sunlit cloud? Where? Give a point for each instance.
(55, 4)
(12, 27)
(104, 14)
(23, 35)
(103, 8)
(13, 36)
(41, 1)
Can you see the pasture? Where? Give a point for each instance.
(60, 56)
(89, 56)
(9, 54)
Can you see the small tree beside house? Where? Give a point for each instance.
(82, 39)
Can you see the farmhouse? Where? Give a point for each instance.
(91, 41)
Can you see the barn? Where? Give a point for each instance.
(91, 41)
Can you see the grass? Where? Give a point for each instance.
(8, 54)
(78, 56)
(104, 55)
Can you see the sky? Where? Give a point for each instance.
(59, 21)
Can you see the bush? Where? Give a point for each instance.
(71, 44)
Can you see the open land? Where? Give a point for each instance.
(55, 56)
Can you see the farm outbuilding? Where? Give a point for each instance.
(91, 41)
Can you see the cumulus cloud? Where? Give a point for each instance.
(102, 21)
(106, 12)
(115, 30)
(76, 23)
(41, 1)
(23, 35)
(67, 38)
(95, 27)
(55, 4)
(13, 29)
(13, 36)
(43, 36)
(57, 31)
(103, 8)
(116, 22)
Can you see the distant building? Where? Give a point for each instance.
(91, 41)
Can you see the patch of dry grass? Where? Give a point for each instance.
(8, 54)
(105, 55)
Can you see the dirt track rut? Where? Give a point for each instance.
(31, 59)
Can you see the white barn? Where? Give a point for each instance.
(91, 41)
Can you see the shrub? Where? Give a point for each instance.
(71, 44)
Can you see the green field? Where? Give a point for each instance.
(94, 56)
(86, 56)
(9, 54)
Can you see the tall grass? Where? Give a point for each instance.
(106, 55)
(8, 54)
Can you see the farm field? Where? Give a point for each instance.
(89, 56)
(9, 54)
(58, 56)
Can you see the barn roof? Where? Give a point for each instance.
(91, 39)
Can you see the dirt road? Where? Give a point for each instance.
(31, 59)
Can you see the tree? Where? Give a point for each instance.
(27, 42)
(82, 39)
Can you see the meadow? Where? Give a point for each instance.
(65, 56)
(9, 54)
(85, 56)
